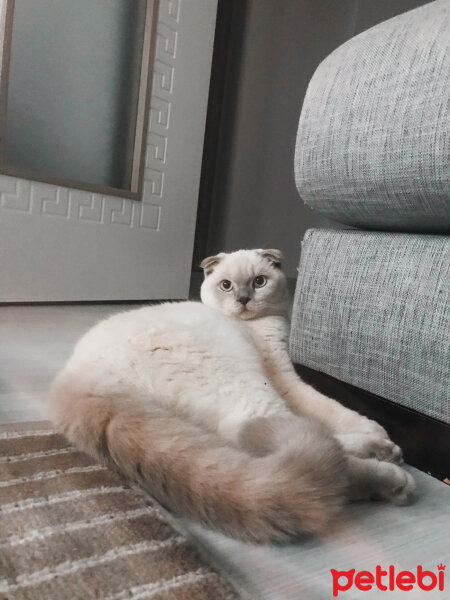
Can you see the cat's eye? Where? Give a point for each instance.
(226, 285)
(259, 281)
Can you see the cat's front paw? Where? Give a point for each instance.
(368, 445)
(395, 484)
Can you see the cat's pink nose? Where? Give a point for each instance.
(244, 300)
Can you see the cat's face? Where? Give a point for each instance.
(246, 284)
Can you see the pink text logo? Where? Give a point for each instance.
(388, 579)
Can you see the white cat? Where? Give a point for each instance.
(199, 403)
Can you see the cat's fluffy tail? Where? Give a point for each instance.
(296, 489)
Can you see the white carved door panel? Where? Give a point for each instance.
(63, 244)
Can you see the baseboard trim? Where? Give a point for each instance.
(425, 441)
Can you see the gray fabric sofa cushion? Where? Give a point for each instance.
(373, 309)
(373, 144)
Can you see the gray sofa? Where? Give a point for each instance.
(371, 307)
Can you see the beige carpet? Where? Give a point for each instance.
(70, 529)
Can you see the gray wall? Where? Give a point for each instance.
(275, 47)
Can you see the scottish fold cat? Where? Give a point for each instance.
(200, 404)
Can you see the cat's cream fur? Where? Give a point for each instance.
(200, 404)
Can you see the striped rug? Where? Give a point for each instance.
(70, 529)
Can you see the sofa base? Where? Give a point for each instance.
(372, 309)
(424, 440)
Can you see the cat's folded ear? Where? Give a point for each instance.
(274, 256)
(209, 263)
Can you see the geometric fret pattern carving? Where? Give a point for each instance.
(51, 201)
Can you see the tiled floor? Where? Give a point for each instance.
(35, 341)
